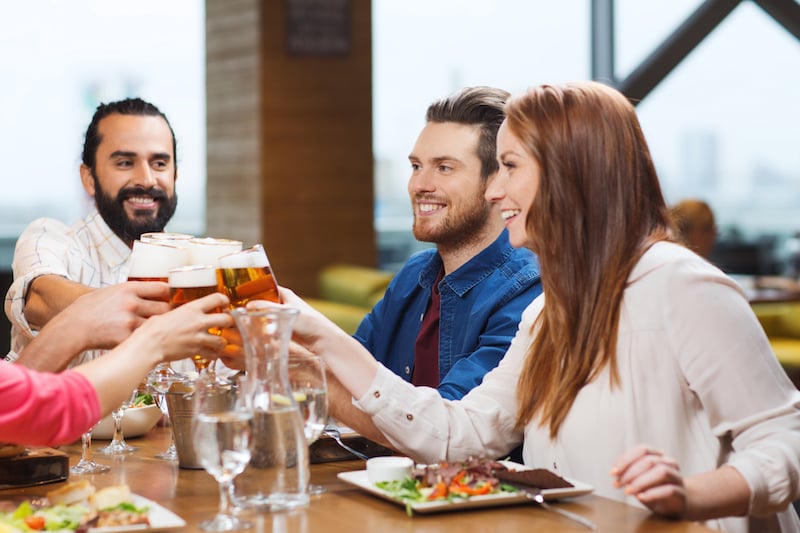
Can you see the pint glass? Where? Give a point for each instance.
(190, 283)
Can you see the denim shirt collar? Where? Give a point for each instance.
(473, 271)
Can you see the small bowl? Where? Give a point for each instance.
(389, 468)
(136, 421)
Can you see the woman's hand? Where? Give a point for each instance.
(184, 331)
(654, 478)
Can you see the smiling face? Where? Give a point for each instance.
(133, 181)
(446, 187)
(515, 186)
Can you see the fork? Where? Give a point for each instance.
(333, 432)
(536, 495)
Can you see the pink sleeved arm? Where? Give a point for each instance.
(46, 409)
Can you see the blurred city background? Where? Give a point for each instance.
(723, 126)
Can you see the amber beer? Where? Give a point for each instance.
(246, 276)
(190, 283)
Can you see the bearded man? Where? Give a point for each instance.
(129, 166)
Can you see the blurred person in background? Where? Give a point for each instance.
(694, 221)
(129, 167)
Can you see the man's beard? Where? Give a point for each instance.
(458, 229)
(113, 211)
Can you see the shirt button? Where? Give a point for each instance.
(409, 417)
(377, 394)
(407, 370)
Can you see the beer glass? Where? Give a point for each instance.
(178, 239)
(190, 283)
(207, 250)
(152, 260)
(246, 276)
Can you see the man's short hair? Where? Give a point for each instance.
(127, 106)
(475, 106)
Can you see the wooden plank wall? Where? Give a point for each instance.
(289, 140)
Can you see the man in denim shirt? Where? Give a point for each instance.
(448, 316)
(482, 284)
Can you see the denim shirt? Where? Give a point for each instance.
(481, 305)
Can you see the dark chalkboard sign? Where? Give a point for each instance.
(318, 27)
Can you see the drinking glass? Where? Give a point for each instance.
(222, 429)
(87, 465)
(152, 257)
(310, 391)
(179, 239)
(118, 446)
(246, 275)
(207, 250)
(160, 380)
(152, 260)
(190, 283)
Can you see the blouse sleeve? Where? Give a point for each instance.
(728, 363)
(422, 424)
(44, 409)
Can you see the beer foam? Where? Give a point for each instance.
(207, 250)
(193, 276)
(254, 257)
(155, 259)
(165, 236)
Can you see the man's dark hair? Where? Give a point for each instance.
(128, 106)
(475, 106)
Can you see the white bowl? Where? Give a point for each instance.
(136, 421)
(389, 468)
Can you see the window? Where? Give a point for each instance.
(59, 61)
(723, 125)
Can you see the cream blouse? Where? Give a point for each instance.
(698, 381)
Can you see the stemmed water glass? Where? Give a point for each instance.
(118, 445)
(310, 391)
(222, 429)
(87, 465)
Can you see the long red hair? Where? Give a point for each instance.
(599, 206)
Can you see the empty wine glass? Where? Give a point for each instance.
(310, 391)
(160, 380)
(87, 465)
(221, 428)
(118, 445)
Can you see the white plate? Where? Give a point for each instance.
(359, 479)
(160, 519)
(136, 421)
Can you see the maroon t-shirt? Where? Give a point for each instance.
(426, 347)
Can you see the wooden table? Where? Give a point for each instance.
(193, 495)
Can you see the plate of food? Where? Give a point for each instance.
(78, 507)
(137, 419)
(470, 484)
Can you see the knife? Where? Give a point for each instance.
(535, 494)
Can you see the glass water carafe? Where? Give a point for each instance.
(276, 477)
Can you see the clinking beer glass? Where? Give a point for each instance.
(246, 275)
(187, 284)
